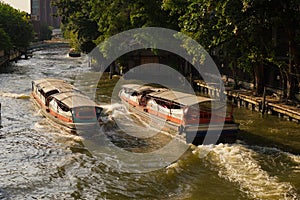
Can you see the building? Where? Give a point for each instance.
(43, 12)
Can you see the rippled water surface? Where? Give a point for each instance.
(40, 161)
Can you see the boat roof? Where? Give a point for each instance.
(137, 87)
(179, 97)
(68, 94)
(73, 100)
(49, 84)
(141, 88)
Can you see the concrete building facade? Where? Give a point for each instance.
(43, 12)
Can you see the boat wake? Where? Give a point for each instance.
(236, 163)
(14, 95)
(128, 119)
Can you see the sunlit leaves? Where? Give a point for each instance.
(16, 31)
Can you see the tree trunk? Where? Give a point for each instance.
(283, 83)
(235, 76)
(259, 77)
(291, 81)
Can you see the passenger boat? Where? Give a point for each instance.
(180, 112)
(74, 53)
(64, 104)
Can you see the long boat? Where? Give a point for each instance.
(64, 104)
(180, 112)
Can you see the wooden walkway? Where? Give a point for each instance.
(246, 98)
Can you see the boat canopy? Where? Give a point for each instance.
(136, 87)
(141, 88)
(51, 84)
(72, 100)
(179, 97)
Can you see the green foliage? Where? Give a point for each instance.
(16, 29)
(16, 25)
(96, 20)
(78, 26)
(5, 43)
(245, 34)
(45, 32)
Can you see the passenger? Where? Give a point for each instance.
(143, 100)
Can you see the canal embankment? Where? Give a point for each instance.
(266, 104)
(12, 55)
(264, 120)
(15, 55)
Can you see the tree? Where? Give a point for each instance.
(90, 22)
(45, 32)
(115, 16)
(5, 43)
(240, 31)
(79, 27)
(285, 16)
(16, 25)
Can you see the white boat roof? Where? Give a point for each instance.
(141, 88)
(49, 84)
(137, 87)
(73, 100)
(179, 97)
(68, 94)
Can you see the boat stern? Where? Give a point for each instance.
(211, 133)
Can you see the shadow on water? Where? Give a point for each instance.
(259, 140)
(267, 130)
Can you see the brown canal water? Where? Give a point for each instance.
(40, 161)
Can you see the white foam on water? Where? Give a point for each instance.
(295, 158)
(236, 164)
(14, 95)
(39, 126)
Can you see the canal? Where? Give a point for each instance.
(40, 161)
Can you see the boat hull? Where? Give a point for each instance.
(68, 126)
(195, 134)
(74, 54)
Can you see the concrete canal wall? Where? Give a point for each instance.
(15, 55)
(48, 44)
(269, 104)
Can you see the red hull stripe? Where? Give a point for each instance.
(53, 113)
(153, 112)
(205, 118)
(62, 118)
(38, 100)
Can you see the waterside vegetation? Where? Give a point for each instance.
(16, 31)
(254, 37)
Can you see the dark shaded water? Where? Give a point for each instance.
(40, 161)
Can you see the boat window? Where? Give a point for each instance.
(134, 93)
(48, 101)
(128, 91)
(167, 104)
(86, 112)
(63, 106)
(51, 92)
(42, 92)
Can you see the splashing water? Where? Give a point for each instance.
(236, 163)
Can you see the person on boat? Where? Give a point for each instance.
(98, 115)
(143, 100)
